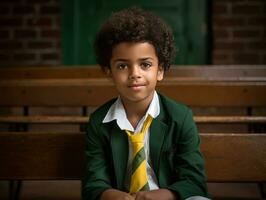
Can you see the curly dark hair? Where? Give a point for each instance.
(134, 25)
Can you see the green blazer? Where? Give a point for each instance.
(174, 152)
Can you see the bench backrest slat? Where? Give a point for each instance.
(44, 119)
(94, 92)
(93, 71)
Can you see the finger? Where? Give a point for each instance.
(140, 195)
(133, 194)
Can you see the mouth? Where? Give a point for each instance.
(136, 86)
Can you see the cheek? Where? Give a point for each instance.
(119, 78)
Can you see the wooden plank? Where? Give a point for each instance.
(56, 92)
(43, 156)
(235, 157)
(84, 119)
(92, 71)
(230, 119)
(94, 92)
(216, 93)
(217, 71)
(61, 72)
(45, 119)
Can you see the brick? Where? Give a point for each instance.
(246, 58)
(257, 45)
(24, 56)
(4, 57)
(246, 9)
(10, 45)
(49, 56)
(53, 33)
(229, 1)
(221, 34)
(257, 21)
(4, 10)
(229, 22)
(25, 33)
(221, 55)
(10, 22)
(38, 1)
(246, 20)
(246, 33)
(23, 10)
(42, 22)
(40, 45)
(229, 45)
(220, 8)
(264, 59)
(54, 1)
(4, 34)
(49, 10)
(57, 21)
(58, 44)
(22, 22)
(9, 1)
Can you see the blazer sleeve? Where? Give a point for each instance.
(96, 178)
(188, 161)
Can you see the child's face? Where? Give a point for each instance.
(135, 71)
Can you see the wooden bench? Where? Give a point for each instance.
(230, 157)
(34, 86)
(93, 71)
(94, 92)
(60, 156)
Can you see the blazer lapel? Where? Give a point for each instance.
(119, 146)
(157, 134)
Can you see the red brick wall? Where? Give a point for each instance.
(30, 32)
(239, 32)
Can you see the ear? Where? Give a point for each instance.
(107, 71)
(160, 73)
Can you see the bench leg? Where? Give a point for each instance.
(11, 189)
(262, 187)
(14, 189)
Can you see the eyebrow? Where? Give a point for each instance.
(120, 59)
(124, 60)
(147, 58)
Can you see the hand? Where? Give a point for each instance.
(113, 194)
(160, 194)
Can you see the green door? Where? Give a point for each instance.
(82, 18)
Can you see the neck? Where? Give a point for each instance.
(136, 110)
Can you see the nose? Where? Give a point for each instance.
(134, 72)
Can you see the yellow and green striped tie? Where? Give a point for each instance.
(139, 177)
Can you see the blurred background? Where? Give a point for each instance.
(60, 32)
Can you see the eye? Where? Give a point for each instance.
(145, 65)
(121, 66)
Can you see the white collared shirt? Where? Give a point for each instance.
(118, 113)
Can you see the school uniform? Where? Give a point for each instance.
(172, 150)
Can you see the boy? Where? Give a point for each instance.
(141, 145)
